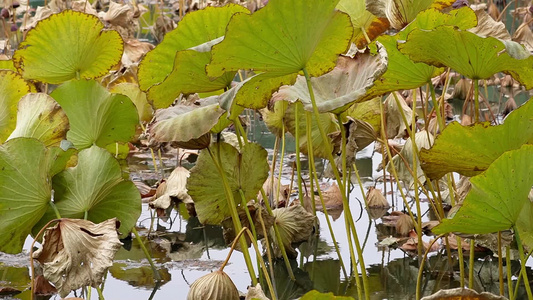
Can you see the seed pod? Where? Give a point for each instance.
(213, 286)
(5, 13)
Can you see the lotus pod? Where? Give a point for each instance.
(213, 286)
(375, 199)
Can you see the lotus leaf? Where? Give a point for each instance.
(175, 187)
(95, 189)
(12, 88)
(77, 253)
(7, 65)
(487, 26)
(280, 41)
(497, 198)
(25, 192)
(183, 123)
(96, 116)
(464, 294)
(245, 170)
(467, 53)
(187, 77)
(316, 295)
(295, 225)
(66, 46)
(363, 21)
(393, 115)
(345, 84)
(196, 28)
(39, 116)
(138, 98)
(402, 12)
(470, 150)
(274, 117)
(368, 111)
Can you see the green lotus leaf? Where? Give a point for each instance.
(295, 225)
(327, 121)
(316, 295)
(25, 192)
(246, 171)
(274, 117)
(402, 12)
(368, 111)
(470, 150)
(497, 197)
(95, 189)
(12, 88)
(138, 98)
(280, 41)
(7, 65)
(402, 73)
(196, 28)
(188, 77)
(345, 84)
(66, 46)
(96, 116)
(363, 21)
(472, 56)
(40, 116)
(525, 223)
(182, 123)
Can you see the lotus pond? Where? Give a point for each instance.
(381, 151)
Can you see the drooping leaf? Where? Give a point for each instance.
(245, 170)
(12, 88)
(402, 12)
(182, 123)
(138, 98)
(367, 111)
(363, 21)
(280, 41)
(77, 253)
(274, 117)
(95, 188)
(175, 188)
(25, 191)
(295, 225)
(345, 84)
(188, 76)
(196, 28)
(66, 46)
(470, 150)
(39, 116)
(96, 116)
(497, 197)
(464, 294)
(472, 56)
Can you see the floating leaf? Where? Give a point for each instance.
(363, 21)
(25, 192)
(295, 225)
(138, 98)
(402, 12)
(95, 189)
(194, 29)
(96, 116)
(491, 55)
(497, 197)
(39, 116)
(280, 41)
(77, 253)
(246, 171)
(470, 150)
(66, 46)
(345, 84)
(12, 88)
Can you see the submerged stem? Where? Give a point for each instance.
(157, 277)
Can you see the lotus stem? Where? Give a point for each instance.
(280, 163)
(476, 100)
(509, 272)
(523, 261)
(250, 220)
(268, 248)
(234, 215)
(471, 265)
(366, 35)
(311, 158)
(461, 261)
(346, 204)
(32, 268)
(421, 267)
(436, 106)
(157, 277)
(500, 264)
(297, 150)
(54, 208)
(100, 294)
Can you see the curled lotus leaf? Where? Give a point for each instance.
(470, 150)
(279, 41)
(94, 189)
(183, 123)
(463, 293)
(497, 198)
(196, 28)
(40, 116)
(12, 88)
(96, 116)
(346, 84)
(487, 26)
(246, 170)
(365, 24)
(175, 188)
(66, 46)
(491, 55)
(395, 126)
(77, 253)
(368, 111)
(273, 116)
(402, 12)
(295, 225)
(138, 98)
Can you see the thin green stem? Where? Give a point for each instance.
(100, 294)
(157, 277)
(509, 272)
(461, 260)
(476, 100)
(280, 163)
(311, 158)
(297, 150)
(421, 268)
(523, 261)
(500, 264)
(54, 208)
(471, 265)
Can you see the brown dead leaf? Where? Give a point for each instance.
(395, 127)
(524, 36)
(486, 26)
(375, 199)
(173, 190)
(77, 253)
(464, 294)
